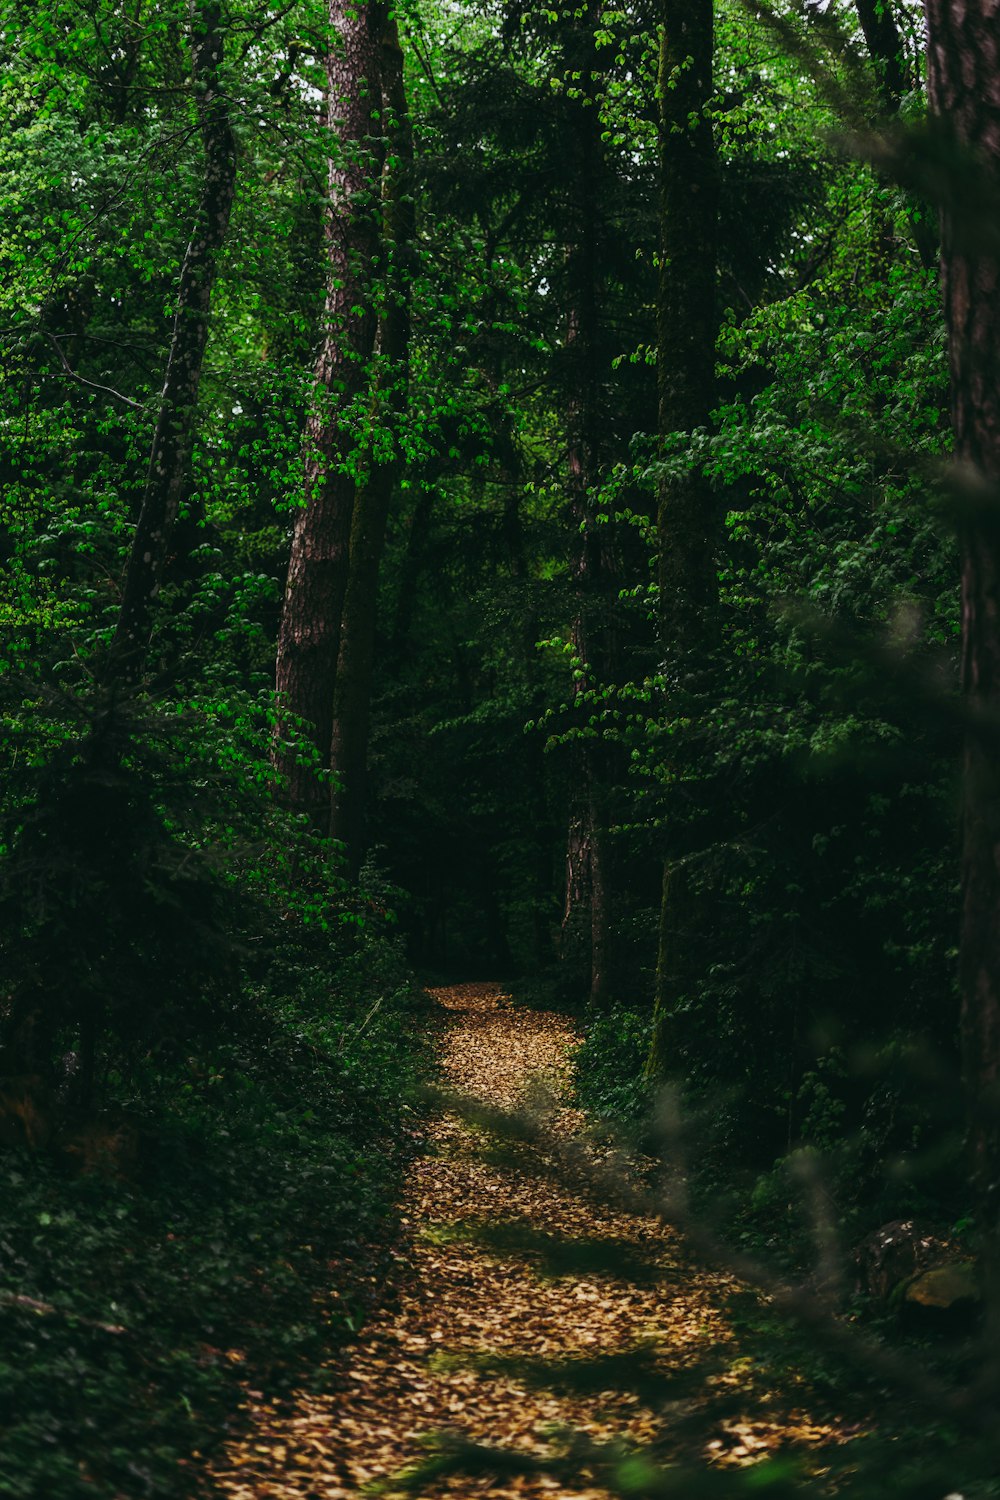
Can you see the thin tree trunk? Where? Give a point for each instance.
(355, 666)
(686, 328)
(686, 315)
(885, 48)
(588, 904)
(535, 798)
(411, 568)
(309, 635)
(351, 723)
(602, 890)
(576, 887)
(173, 439)
(964, 91)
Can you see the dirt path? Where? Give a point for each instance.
(413, 1371)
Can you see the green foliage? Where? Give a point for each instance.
(111, 916)
(801, 776)
(231, 1233)
(609, 1064)
(143, 854)
(180, 954)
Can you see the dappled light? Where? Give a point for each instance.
(496, 1347)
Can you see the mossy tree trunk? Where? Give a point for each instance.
(309, 634)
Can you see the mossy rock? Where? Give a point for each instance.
(944, 1287)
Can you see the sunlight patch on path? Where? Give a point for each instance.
(459, 1302)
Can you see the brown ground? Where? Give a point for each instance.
(406, 1378)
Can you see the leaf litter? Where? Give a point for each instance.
(527, 1323)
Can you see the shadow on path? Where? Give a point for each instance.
(482, 1300)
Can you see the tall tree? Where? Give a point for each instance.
(964, 93)
(588, 919)
(309, 635)
(356, 659)
(686, 330)
(168, 472)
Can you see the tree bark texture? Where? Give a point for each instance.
(686, 330)
(173, 440)
(356, 659)
(309, 634)
(964, 90)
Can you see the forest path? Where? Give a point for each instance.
(413, 1370)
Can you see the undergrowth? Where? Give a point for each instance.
(608, 1065)
(238, 1242)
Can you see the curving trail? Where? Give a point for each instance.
(458, 1300)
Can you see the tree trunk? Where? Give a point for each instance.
(686, 328)
(410, 570)
(351, 723)
(173, 439)
(309, 635)
(686, 315)
(588, 903)
(964, 90)
(355, 665)
(885, 48)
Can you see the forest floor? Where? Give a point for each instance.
(453, 1350)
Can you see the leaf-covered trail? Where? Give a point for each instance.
(413, 1371)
